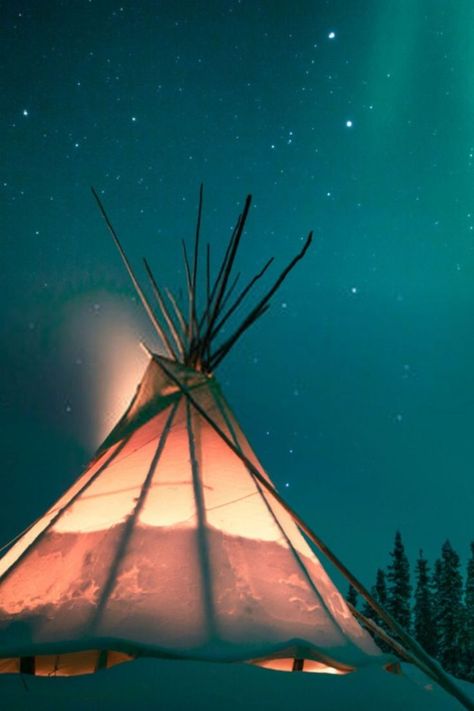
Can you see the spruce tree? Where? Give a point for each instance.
(352, 596)
(379, 593)
(367, 610)
(399, 588)
(449, 610)
(468, 651)
(424, 629)
(381, 587)
(435, 601)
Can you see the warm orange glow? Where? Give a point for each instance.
(116, 381)
(309, 665)
(9, 666)
(111, 497)
(72, 664)
(103, 332)
(167, 543)
(29, 537)
(170, 500)
(233, 503)
(66, 664)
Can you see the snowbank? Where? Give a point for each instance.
(196, 686)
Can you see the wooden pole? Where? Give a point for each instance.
(207, 350)
(189, 286)
(178, 314)
(227, 345)
(229, 293)
(420, 657)
(206, 315)
(239, 299)
(164, 311)
(205, 345)
(228, 264)
(379, 632)
(222, 351)
(132, 276)
(196, 251)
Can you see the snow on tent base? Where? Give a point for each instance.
(90, 661)
(166, 546)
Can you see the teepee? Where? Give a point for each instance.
(174, 542)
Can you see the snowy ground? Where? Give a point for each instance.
(190, 686)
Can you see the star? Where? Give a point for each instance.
(25, 112)
(332, 35)
(349, 124)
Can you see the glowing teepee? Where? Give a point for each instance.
(174, 543)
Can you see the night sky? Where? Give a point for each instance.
(351, 118)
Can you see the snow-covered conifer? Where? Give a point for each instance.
(423, 626)
(399, 588)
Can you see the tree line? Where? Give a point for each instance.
(437, 609)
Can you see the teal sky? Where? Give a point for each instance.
(355, 119)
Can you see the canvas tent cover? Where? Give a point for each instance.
(167, 546)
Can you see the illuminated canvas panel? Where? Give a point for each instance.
(170, 498)
(37, 528)
(334, 601)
